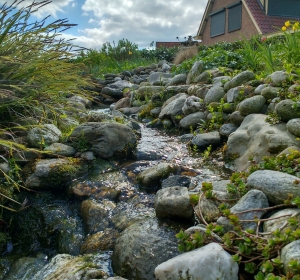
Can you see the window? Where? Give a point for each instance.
(234, 16)
(217, 23)
(288, 8)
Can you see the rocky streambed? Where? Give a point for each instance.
(107, 202)
(88, 218)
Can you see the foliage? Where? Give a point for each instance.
(37, 74)
(259, 253)
(125, 55)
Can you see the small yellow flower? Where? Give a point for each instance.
(129, 52)
(287, 23)
(296, 26)
(283, 28)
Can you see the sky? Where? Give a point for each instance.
(139, 21)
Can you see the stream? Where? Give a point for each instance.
(55, 223)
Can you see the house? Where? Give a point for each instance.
(231, 20)
(187, 43)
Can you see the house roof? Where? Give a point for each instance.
(265, 24)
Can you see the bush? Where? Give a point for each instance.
(185, 53)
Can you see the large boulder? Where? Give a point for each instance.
(159, 78)
(152, 176)
(257, 138)
(69, 267)
(285, 110)
(173, 202)
(52, 174)
(44, 135)
(251, 105)
(293, 126)
(239, 80)
(192, 104)
(276, 185)
(173, 107)
(210, 262)
(254, 199)
(290, 252)
(178, 79)
(106, 139)
(202, 141)
(141, 247)
(195, 71)
(214, 94)
(192, 120)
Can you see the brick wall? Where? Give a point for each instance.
(247, 30)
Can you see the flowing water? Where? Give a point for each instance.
(52, 224)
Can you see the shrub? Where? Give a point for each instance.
(185, 53)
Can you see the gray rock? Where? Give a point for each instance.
(227, 128)
(159, 78)
(61, 150)
(278, 78)
(220, 81)
(272, 105)
(80, 99)
(276, 185)
(122, 103)
(214, 94)
(173, 107)
(131, 110)
(290, 252)
(126, 214)
(285, 110)
(204, 77)
(257, 138)
(173, 202)
(195, 71)
(66, 267)
(96, 216)
(251, 105)
(192, 104)
(235, 94)
(293, 126)
(141, 247)
(153, 175)
(202, 141)
(52, 173)
(192, 120)
(165, 67)
(202, 91)
(166, 123)
(26, 267)
(106, 139)
(112, 92)
(155, 112)
(176, 89)
(236, 118)
(178, 79)
(239, 79)
(270, 93)
(46, 134)
(148, 91)
(275, 222)
(253, 199)
(209, 262)
(176, 180)
(186, 137)
(259, 89)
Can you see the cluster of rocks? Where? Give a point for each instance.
(142, 245)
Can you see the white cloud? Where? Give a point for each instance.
(50, 9)
(142, 22)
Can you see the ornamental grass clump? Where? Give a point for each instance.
(37, 73)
